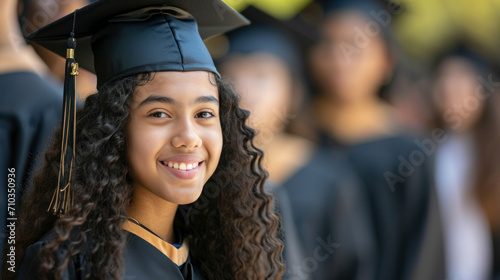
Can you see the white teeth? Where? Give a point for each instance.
(181, 166)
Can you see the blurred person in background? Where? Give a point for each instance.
(317, 192)
(30, 109)
(38, 13)
(351, 63)
(468, 164)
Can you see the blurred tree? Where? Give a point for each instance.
(428, 27)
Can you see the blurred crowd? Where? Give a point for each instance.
(383, 150)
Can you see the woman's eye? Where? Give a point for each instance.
(205, 115)
(159, 115)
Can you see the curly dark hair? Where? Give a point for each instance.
(233, 229)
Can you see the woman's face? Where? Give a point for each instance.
(174, 135)
(457, 94)
(265, 85)
(349, 63)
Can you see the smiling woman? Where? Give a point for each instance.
(164, 182)
(174, 135)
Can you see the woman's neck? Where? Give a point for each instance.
(353, 121)
(10, 32)
(284, 155)
(154, 213)
(15, 55)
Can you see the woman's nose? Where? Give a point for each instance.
(186, 136)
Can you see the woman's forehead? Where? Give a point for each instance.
(178, 85)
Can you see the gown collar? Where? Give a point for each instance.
(178, 255)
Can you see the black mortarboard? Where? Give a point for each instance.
(123, 37)
(367, 7)
(264, 38)
(118, 38)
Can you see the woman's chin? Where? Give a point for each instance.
(182, 198)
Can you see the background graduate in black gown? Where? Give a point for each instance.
(30, 109)
(38, 13)
(350, 63)
(264, 68)
(324, 219)
(162, 158)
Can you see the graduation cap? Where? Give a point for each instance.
(370, 9)
(118, 38)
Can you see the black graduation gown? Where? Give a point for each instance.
(331, 219)
(145, 257)
(293, 252)
(496, 255)
(30, 110)
(398, 183)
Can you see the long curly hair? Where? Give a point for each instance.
(233, 229)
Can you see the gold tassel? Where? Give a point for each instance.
(63, 196)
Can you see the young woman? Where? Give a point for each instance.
(350, 66)
(163, 159)
(467, 165)
(317, 192)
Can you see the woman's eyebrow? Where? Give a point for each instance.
(156, 99)
(168, 100)
(206, 99)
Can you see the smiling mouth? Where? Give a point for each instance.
(182, 166)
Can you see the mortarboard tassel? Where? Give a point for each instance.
(62, 199)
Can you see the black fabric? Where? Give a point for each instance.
(160, 43)
(293, 252)
(141, 261)
(144, 261)
(332, 220)
(30, 264)
(213, 17)
(264, 38)
(30, 110)
(496, 255)
(401, 210)
(120, 38)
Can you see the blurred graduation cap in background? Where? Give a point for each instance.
(279, 9)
